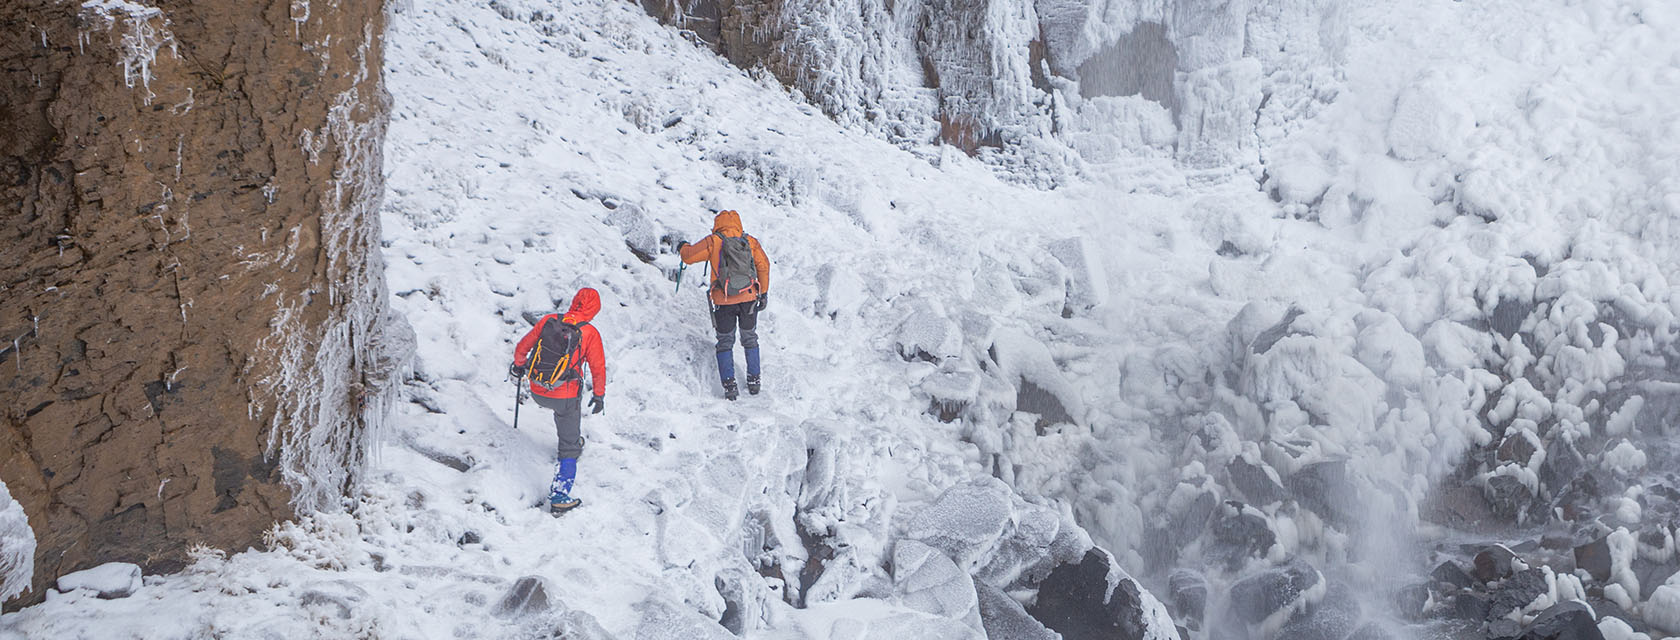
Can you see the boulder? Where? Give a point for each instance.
(1096, 599)
(1563, 464)
(1003, 617)
(1257, 482)
(1411, 600)
(526, 597)
(1594, 558)
(1333, 618)
(1238, 534)
(1329, 491)
(1451, 574)
(1509, 497)
(1187, 593)
(1493, 562)
(1517, 592)
(965, 521)
(1270, 595)
(925, 580)
(110, 580)
(1564, 621)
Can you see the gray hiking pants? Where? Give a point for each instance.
(568, 416)
(727, 317)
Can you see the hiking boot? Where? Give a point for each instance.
(752, 384)
(730, 392)
(561, 503)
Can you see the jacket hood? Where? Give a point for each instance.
(728, 222)
(585, 305)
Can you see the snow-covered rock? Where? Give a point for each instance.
(109, 580)
(926, 580)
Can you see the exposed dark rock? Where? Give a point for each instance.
(1239, 534)
(1189, 524)
(1467, 605)
(1516, 592)
(1492, 563)
(1509, 497)
(1594, 557)
(1503, 629)
(1563, 464)
(1187, 593)
(1072, 601)
(1328, 490)
(1256, 597)
(1450, 573)
(1507, 317)
(1410, 601)
(1564, 621)
(526, 597)
(1517, 448)
(1254, 483)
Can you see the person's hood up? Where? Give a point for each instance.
(585, 305)
(728, 223)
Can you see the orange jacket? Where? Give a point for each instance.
(728, 223)
(584, 307)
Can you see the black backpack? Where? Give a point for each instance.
(736, 271)
(555, 359)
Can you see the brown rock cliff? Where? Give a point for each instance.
(192, 304)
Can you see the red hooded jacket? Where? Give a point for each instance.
(584, 307)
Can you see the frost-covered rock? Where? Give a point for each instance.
(17, 547)
(1003, 617)
(1087, 281)
(109, 580)
(994, 534)
(660, 619)
(1662, 609)
(926, 580)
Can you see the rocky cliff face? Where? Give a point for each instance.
(1003, 79)
(194, 317)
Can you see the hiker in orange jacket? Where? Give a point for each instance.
(740, 289)
(556, 381)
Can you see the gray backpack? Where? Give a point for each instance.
(736, 271)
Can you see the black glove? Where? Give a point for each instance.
(516, 371)
(763, 301)
(681, 244)
(598, 405)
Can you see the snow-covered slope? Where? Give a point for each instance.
(1117, 351)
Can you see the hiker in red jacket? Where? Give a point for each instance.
(740, 289)
(550, 355)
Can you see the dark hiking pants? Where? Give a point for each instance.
(568, 413)
(725, 319)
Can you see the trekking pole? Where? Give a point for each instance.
(518, 399)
